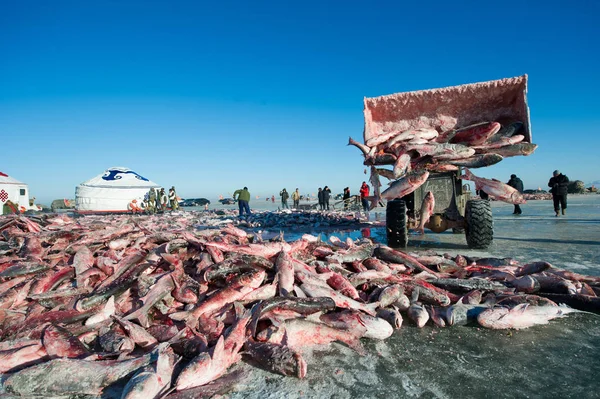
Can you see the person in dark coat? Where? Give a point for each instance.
(559, 184)
(517, 184)
(346, 197)
(284, 198)
(326, 194)
(320, 197)
(483, 195)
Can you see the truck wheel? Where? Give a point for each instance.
(395, 223)
(479, 226)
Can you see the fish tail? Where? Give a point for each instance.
(467, 174)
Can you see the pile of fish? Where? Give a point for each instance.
(149, 307)
(285, 219)
(415, 153)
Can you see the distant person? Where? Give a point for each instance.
(483, 195)
(284, 199)
(206, 206)
(346, 197)
(173, 199)
(326, 194)
(243, 198)
(559, 184)
(364, 193)
(517, 184)
(162, 200)
(296, 199)
(320, 198)
(133, 207)
(151, 204)
(272, 198)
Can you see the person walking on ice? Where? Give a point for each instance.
(558, 184)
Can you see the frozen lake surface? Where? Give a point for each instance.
(558, 360)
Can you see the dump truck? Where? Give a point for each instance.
(447, 110)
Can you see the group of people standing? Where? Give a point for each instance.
(155, 201)
(558, 184)
(285, 196)
(323, 195)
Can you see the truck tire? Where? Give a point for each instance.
(395, 223)
(479, 226)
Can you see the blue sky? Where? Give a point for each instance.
(212, 96)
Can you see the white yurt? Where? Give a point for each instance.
(14, 191)
(111, 191)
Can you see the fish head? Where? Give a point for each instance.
(417, 178)
(456, 315)
(192, 374)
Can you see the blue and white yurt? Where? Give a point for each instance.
(111, 191)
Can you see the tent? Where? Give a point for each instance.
(14, 191)
(111, 191)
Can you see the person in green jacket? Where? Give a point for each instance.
(243, 198)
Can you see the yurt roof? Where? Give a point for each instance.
(119, 177)
(6, 179)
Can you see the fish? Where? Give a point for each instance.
(152, 381)
(412, 134)
(55, 377)
(160, 289)
(427, 208)
(390, 295)
(280, 359)
(381, 159)
(285, 273)
(509, 130)
(301, 333)
(302, 306)
(497, 189)
(340, 300)
(390, 255)
(443, 151)
(388, 174)
(417, 312)
(467, 284)
(477, 161)
(17, 358)
(516, 149)
(401, 166)
(476, 134)
(362, 147)
(391, 315)
(461, 314)
(521, 316)
(375, 327)
(500, 142)
(60, 343)
(405, 185)
(206, 367)
(238, 288)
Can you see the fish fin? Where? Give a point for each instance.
(373, 307)
(219, 350)
(356, 345)
(315, 317)
(109, 307)
(299, 292)
(520, 308)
